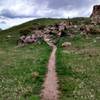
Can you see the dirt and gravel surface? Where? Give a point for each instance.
(50, 86)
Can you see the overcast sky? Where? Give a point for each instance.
(14, 12)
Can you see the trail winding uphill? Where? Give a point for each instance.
(50, 86)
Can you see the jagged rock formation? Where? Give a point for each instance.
(95, 16)
(45, 33)
(50, 33)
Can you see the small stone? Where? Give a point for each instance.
(35, 74)
(9, 36)
(66, 44)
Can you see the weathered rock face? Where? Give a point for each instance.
(95, 16)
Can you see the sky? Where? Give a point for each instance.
(15, 12)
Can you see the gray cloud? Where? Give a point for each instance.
(59, 7)
(22, 10)
(45, 8)
(8, 13)
(11, 14)
(70, 4)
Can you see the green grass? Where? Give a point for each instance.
(18, 67)
(77, 66)
(78, 69)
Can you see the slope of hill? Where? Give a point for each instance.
(22, 69)
(45, 22)
(78, 68)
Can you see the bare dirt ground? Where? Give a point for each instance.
(50, 86)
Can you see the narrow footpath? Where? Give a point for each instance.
(50, 86)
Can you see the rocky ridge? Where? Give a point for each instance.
(63, 28)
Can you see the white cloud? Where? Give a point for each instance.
(8, 22)
(30, 9)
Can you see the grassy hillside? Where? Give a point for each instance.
(45, 22)
(22, 69)
(78, 68)
(32, 24)
(15, 31)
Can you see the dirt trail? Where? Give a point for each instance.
(50, 90)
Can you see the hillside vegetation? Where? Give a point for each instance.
(78, 68)
(22, 70)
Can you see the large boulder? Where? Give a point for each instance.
(95, 16)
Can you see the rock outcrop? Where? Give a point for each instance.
(95, 16)
(44, 33)
(65, 28)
